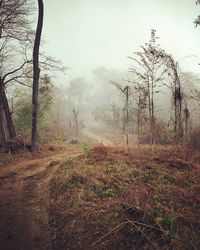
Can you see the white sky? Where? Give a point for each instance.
(86, 34)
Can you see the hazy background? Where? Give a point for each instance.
(86, 34)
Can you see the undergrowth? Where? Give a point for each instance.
(130, 199)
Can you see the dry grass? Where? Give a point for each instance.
(129, 199)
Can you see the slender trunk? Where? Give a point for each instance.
(127, 114)
(8, 115)
(76, 122)
(124, 121)
(138, 127)
(180, 111)
(150, 114)
(175, 116)
(152, 103)
(178, 128)
(139, 110)
(36, 76)
(2, 129)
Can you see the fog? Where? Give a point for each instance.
(94, 39)
(88, 34)
(99, 124)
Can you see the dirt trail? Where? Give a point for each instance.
(98, 138)
(25, 208)
(27, 218)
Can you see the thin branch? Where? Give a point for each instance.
(153, 243)
(14, 71)
(118, 86)
(104, 236)
(22, 83)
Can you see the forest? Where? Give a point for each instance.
(97, 152)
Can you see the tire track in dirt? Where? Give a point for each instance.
(25, 208)
(26, 217)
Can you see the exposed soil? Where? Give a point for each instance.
(25, 208)
(100, 198)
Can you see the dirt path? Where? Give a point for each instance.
(26, 220)
(98, 138)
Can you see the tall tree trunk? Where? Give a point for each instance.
(2, 129)
(175, 116)
(8, 115)
(152, 103)
(124, 121)
(75, 113)
(127, 114)
(139, 109)
(178, 127)
(150, 114)
(138, 126)
(180, 112)
(36, 76)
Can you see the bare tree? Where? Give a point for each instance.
(36, 76)
(148, 67)
(16, 42)
(141, 104)
(14, 32)
(177, 92)
(126, 92)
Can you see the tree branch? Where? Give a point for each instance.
(14, 71)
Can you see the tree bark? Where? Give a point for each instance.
(75, 113)
(36, 76)
(2, 129)
(127, 114)
(8, 115)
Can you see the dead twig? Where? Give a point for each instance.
(146, 225)
(104, 236)
(134, 224)
(138, 228)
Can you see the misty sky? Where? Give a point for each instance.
(86, 34)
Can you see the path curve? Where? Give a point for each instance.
(98, 138)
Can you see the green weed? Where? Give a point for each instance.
(68, 161)
(87, 149)
(106, 193)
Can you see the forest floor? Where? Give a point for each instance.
(85, 197)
